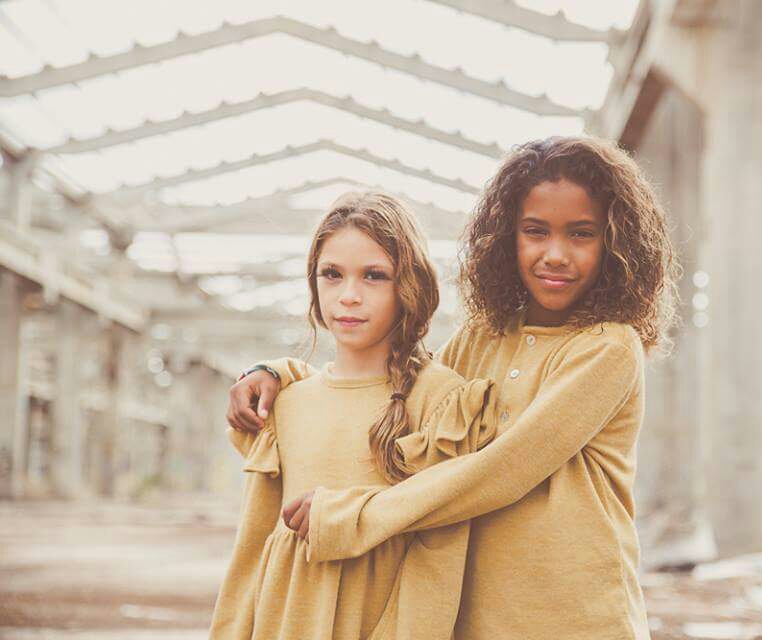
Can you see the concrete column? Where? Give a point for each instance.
(107, 421)
(13, 399)
(729, 74)
(68, 419)
(674, 522)
(20, 193)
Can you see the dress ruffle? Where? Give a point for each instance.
(260, 450)
(463, 422)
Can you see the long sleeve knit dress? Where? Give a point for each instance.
(553, 551)
(318, 436)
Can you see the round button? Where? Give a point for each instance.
(514, 373)
(531, 340)
(504, 416)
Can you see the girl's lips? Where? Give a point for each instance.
(552, 283)
(346, 322)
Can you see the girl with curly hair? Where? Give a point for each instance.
(370, 417)
(568, 276)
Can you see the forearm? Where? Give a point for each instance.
(290, 370)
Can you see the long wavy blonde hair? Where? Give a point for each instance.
(388, 222)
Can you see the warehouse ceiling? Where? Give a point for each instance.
(198, 142)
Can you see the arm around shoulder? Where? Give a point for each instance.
(581, 395)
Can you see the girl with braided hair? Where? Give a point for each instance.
(369, 418)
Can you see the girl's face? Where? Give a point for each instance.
(559, 242)
(356, 292)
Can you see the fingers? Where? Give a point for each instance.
(268, 390)
(296, 521)
(290, 509)
(304, 527)
(240, 415)
(296, 515)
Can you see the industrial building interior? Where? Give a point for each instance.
(163, 166)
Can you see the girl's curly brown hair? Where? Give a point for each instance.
(637, 283)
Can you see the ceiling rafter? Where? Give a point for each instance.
(556, 27)
(177, 218)
(193, 175)
(328, 37)
(348, 104)
(22, 254)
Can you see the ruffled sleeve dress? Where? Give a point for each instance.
(409, 586)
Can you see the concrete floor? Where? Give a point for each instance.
(104, 571)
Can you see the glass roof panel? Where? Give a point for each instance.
(261, 180)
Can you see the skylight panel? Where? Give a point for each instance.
(322, 165)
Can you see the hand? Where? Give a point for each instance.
(296, 514)
(257, 385)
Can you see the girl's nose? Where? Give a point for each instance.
(555, 255)
(350, 296)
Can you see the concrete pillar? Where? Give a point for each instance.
(20, 193)
(68, 418)
(13, 399)
(107, 421)
(730, 76)
(675, 526)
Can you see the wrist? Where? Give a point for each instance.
(259, 367)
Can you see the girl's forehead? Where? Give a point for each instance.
(352, 246)
(561, 198)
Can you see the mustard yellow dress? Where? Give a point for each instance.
(553, 549)
(318, 436)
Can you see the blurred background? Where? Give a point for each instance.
(163, 165)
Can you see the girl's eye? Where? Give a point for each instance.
(376, 275)
(330, 274)
(583, 234)
(534, 231)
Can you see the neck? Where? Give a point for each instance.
(539, 316)
(365, 363)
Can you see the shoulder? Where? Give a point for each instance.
(434, 375)
(608, 345)
(615, 335)
(434, 383)
(300, 391)
(475, 335)
(438, 387)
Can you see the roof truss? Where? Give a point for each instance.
(229, 33)
(193, 175)
(265, 101)
(507, 12)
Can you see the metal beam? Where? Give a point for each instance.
(187, 119)
(273, 214)
(329, 37)
(632, 62)
(22, 255)
(175, 218)
(507, 12)
(193, 175)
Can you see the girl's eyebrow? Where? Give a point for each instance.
(583, 223)
(576, 223)
(366, 267)
(534, 220)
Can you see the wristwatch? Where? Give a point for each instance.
(259, 367)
